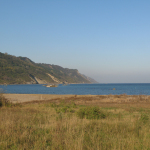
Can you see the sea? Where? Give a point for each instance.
(80, 89)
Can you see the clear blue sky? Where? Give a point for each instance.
(108, 40)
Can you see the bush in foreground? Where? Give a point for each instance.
(4, 101)
(64, 107)
(91, 113)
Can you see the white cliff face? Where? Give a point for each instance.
(53, 78)
(35, 80)
(39, 81)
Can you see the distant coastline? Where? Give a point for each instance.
(22, 70)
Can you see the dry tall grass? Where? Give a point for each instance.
(56, 126)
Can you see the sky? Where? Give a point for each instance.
(108, 40)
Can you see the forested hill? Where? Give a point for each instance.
(22, 70)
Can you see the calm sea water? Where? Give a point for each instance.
(80, 89)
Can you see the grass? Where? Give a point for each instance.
(65, 126)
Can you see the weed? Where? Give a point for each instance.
(73, 105)
(59, 117)
(53, 105)
(64, 109)
(137, 128)
(62, 103)
(57, 110)
(144, 118)
(71, 110)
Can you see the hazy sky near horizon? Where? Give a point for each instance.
(108, 40)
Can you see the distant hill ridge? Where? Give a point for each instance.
(22, 70)
(90, 79)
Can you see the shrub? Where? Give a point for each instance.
(53, 105)
(144, 118)
(73, 105)
(59, 117)
(81, 113)
(64, 109)
(4, 101)
(91, 113)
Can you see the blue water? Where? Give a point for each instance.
(80, 89)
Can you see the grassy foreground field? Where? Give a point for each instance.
(119, 123)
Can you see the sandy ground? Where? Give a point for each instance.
(97, 100)
(38, 97)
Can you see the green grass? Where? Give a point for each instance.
(91, 113)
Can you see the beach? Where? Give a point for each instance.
(100, 100)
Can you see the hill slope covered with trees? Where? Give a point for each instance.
(22, 70)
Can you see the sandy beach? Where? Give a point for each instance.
(141, 100)
(21, 98)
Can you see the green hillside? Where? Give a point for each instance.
(22, 70)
